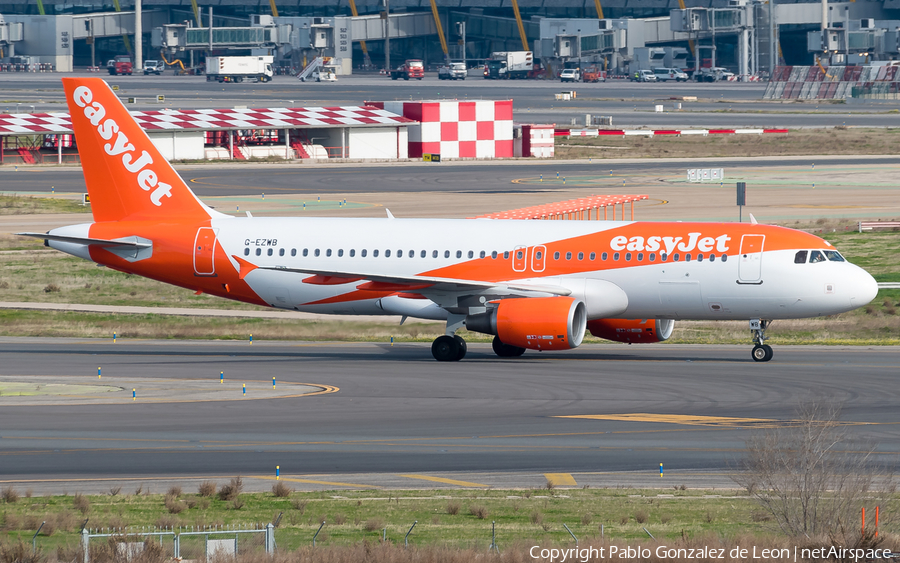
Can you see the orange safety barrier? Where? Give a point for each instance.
(584, 209)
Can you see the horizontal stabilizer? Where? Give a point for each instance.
(134, 242)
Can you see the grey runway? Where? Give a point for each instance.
(624, 409)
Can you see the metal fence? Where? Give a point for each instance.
(186, 543)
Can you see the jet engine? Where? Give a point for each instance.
(638, 331)
(538, 323)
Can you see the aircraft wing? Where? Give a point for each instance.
(134, 242)
(407, 283)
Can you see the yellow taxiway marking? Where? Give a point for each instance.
(314, 482)
(561, 479)
(690, 420)
(445, 481)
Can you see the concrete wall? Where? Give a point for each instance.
(187, 145)
(378, 143)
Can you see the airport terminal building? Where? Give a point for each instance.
(749, 37)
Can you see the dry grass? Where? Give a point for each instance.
(10, 495)
(797, 142)
(81, 503)
(232, 490)
(478, 511)
(207, 489)
(281, 490)
(452, 508)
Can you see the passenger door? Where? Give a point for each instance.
(750, 264)
(204, 252)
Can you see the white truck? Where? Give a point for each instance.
(519, 64)
(238, 69)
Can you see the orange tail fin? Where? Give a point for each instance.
(126, 176)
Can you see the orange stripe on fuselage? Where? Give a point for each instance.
(637, 236)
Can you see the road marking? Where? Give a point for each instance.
(690, 420)
(561, 479)
(696, 420)
(314, 482)
(446, 481)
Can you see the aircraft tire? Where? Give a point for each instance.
(463, 348)
(445, 349)
(761, 353)
(506, 350)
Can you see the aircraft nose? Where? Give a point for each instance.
(864, 288)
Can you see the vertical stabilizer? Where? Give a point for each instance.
(126, 176)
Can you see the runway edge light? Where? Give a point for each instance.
(660, 470)
(277, 472)
(221, 377)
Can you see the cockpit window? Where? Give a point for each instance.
(800, 257)
(834, 256)
(816, 256)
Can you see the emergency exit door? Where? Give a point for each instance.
(204, 252)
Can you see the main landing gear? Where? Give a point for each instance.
(448, 348)
(761, 352)
(506, 350)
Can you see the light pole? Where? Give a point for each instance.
(387, 35)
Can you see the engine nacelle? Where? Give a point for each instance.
(538, 323)
(638, 331)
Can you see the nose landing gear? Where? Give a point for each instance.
(761, 352)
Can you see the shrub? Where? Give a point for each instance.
(280, 490)
(760, 516)
(373, 524)
(49, 527)
(624, 520)
(10, 495)
(586, 519)
(232, 490)
(174, 491)
(167, 521)
(237, 503)
(65, 521)
(665, 518)
(340, 519)
(550, 485)
(81, 503)
(299, 505)
(12, 522)
(452, 508)
(641, 516)
(173, 505)
(478, 511)
(113, 491)
(207, 489)
(537, 518)
(51, 288)
(32, 521)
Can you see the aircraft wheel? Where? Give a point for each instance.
(761, 353)
(506, 350)
(445, 349)
(463, 348)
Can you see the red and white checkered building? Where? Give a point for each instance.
(457, 129)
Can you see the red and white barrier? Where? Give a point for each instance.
(661, 132)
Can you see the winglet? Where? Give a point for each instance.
(390, 215)
(246, 267)
(753, 220)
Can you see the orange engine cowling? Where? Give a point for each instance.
(638, 331)
(538, 323)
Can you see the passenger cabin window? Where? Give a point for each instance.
(340, 252)
(663, 256)
(387, 253)
(259, 251)
(446, 254)
(834, 256)
(424, 253)
(581, 255)
(316, 252)
(246, 252)
(270, 252)
(604, 256)
(459, 253)
(592, 256)
(724, 258)
(352, 252)
(293, 252)
(556, 255)
(628, 257)
(676, 257)
(506, 254)
(305, 252)
(281, 252)
(494, 254)
(363, 252)
(653, 257)
(375, 253)
(699, 258)
(568, 255)
(328, 252)
(800, 257)
(640, 257)
(471, 254)
(616, 256)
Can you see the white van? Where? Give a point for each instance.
(664, 74)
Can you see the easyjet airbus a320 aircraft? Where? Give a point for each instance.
(533, 284)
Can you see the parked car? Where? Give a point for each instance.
(665, 74)
(570, 75)
(713, 74)
(452, 71)
(152, 66)
(644, 76)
